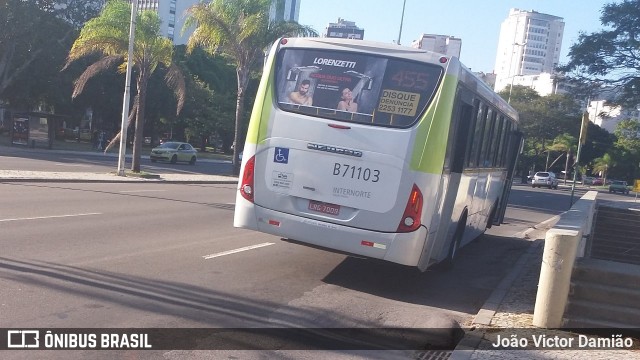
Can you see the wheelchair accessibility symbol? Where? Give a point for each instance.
(281, 155)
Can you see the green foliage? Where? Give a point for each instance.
(208, 112)
(628, 134)
(241, 31)
(32, 41)
(542, 118)
(215, 71)
(108, 36)
(611, 56)
(603, 164)
(627, 150)
(74, 12)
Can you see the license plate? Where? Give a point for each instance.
(324, 208)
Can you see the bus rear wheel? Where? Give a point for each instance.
(492, 215)
(447, 264)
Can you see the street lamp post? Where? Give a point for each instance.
(401, 21)
(583, 138)
(127, 91)
(521, 46)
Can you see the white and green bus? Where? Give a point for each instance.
(375, 150)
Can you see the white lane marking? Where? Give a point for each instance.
(207, 257)
(136, 191)
(49, 217)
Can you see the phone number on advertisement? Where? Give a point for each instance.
(356, 172)
(395, 109)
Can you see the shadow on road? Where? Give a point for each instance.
(479, 268)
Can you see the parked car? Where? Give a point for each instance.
(587, 180)
(618, 186)
(545, 178)
(173, 152)
(597, 181)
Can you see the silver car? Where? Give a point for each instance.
(545, 178)
(173, 152)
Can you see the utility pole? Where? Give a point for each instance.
(583, 138)
(401, 20)
(127, 91)
(521, 47)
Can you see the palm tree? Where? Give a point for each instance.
(564, 143)
(108, 35)
(241, 31)
(603, 164)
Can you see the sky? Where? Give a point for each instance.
(476, 22)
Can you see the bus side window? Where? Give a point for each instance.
(471, 125)
(474, 154)
(484, 160)
(496, 148)
(462, 136)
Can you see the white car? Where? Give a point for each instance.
(545, 178)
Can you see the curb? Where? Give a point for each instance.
(472, 338)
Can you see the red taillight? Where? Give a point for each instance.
(410, 220)
(246, 186)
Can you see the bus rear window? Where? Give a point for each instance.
(359, 88)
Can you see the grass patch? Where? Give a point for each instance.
(141, 174)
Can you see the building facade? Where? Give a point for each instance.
(606, 115)
(529, 44)
(443, 44)
(173, 15)
(344, 29)
(285, 10)
(544, 83)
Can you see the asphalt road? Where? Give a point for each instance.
(139, 255)
(161, 256)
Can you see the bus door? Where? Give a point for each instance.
(514, 148)
(456, 196)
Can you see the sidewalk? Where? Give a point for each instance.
(46, 176)
(106, 177)
(508, 313)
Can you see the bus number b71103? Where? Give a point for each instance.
(353, 172)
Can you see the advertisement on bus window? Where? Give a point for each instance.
(355, 87)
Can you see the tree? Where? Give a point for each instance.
(599, 142)
(108, 36)
(628, 146)
(241, 31)
(75, 12)
(210, 107)
(564, 143)
(611, 57)
(542, 118)
(628, 133)
(35, 31)
(603, 164)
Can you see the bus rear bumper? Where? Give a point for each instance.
(401, 248)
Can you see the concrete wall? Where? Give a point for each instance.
(562, 244)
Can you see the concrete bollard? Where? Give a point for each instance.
(560, 247)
